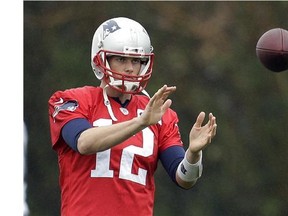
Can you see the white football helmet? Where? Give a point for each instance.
(122, 37)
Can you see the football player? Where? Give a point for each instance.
(109, 138)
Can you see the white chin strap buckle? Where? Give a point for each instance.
(129, 86)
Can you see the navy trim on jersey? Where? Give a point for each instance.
(171, 158)
(124, 105)
(72, 131)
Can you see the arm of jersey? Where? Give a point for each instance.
(72, 130)
(171, 158)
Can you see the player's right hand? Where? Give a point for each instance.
(157, 106)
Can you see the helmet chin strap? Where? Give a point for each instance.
(107, 104)
(146, 93)
(129, 86)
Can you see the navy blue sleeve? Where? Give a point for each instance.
(170, 159)
(72, 130)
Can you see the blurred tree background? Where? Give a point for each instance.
(206, 49)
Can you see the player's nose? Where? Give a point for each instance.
(129, 67)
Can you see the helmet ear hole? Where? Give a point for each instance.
(95, 65)
(98, 74)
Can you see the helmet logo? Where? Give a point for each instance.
(109, 27)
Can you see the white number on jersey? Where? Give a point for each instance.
(127, 157)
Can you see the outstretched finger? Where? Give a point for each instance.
(199, 120)
(211, 120)
(158, 95)
(214, 130)
(164, 92)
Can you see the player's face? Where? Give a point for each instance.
(127, 65)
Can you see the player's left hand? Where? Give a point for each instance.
(200, 136)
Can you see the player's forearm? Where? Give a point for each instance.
(102, 138)
(189, 170)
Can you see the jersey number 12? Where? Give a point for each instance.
(102, 168)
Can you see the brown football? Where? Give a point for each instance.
(272, 49)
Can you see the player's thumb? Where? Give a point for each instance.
(166, 105)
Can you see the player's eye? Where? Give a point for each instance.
(136, 61)
(120, 59)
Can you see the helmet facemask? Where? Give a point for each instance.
(121, 81)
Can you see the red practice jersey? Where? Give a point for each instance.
(118, 181)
